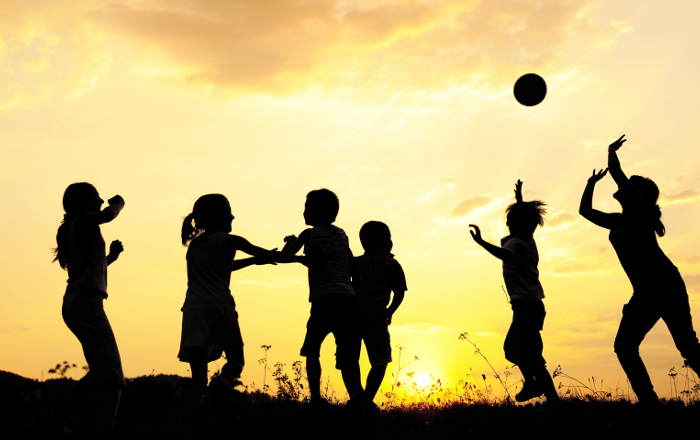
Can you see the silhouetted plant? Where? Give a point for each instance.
(61, 369)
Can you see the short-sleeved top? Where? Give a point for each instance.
(521, 276)
(86, 261)
(209, 270)
(642, 259)
(376, 275)
(329, 268)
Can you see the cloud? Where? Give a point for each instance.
(465, 206)
(418, 327)
(561, 218)
(689, 195)
(397, 46)
(13, 328)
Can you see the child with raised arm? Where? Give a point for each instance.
(658, 289)
(81, 251)
(523, 344)
(331, 294)
(376, 275)
(209, 317)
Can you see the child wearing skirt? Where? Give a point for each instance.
(209, 318)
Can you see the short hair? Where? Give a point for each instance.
(526, 215)
(374, 235)
(323, 205)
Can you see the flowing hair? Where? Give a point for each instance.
(207, 210)
(651, 213)
(73, 200)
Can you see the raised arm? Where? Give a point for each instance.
(292, 244)
(498, 252)
(618, 175)
(116, 204)
(518, 191)
(596, 217)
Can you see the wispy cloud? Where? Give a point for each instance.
(419, 327)
(13, 328)
(561, 218)
(689, 195)
(465, 206)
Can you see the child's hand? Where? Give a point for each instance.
(597, 176)
(262, 261)
(617, 144)
(116, 248)
(290, 239)
(519, 191)
(116, 200)
(388, 318)
(476, 233)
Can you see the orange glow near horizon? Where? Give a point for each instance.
(404, 108)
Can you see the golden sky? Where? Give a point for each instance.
(403, 108)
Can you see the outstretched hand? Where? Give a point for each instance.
(476, 233)
(617, 144)
(597, 176)
(262, 260)
(518, 191)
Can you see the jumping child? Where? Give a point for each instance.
(523, 344)
(81, 251)
(209, 317)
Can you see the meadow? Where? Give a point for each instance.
(480, 407)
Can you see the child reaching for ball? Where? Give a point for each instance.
(523, 344)
(209, 317)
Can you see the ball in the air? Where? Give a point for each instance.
(530, 89)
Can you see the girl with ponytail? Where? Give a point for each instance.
(81, 251)
(659, 291)
(209, 317)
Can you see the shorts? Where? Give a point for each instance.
(84, 314)
(332, 314)
(373, 329)
(208, 330)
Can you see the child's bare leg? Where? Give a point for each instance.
(197, 387)
(374, 381)
(351, 378)
(313, 371)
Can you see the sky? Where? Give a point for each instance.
(403, 108)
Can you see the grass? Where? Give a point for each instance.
(481, 407)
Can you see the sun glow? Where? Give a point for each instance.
(422, 380)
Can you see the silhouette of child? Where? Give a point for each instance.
(209, 317)
(330, 293)
(659, 290)
(376, 275)
(523, 344)
(81, 251)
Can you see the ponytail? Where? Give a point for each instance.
(207, 211)
(659, 226)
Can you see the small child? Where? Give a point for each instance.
(330, 293)
(376, 275)
(523, 344)
(209, 317)
(81, 251)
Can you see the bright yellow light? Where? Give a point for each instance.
(422, 380)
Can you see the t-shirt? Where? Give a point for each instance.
(86, 261)
(376, 275)
(645, 264)
(521, 276)
(209, 270)
(329, 268)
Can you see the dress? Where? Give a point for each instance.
(209, 318)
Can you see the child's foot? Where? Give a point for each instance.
(356, 406)
(224, 397)
(373, 409)
(530, 390)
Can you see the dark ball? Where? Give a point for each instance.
(530, 89)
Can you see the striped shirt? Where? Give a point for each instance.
(329, 268)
